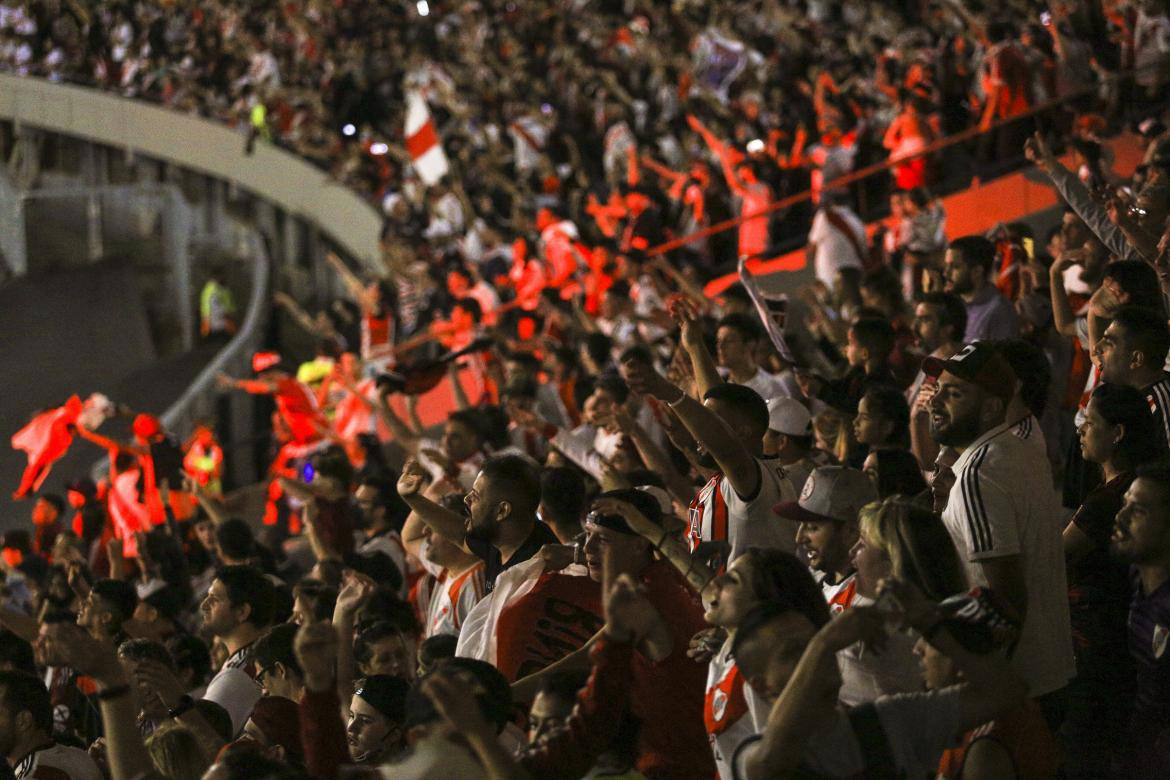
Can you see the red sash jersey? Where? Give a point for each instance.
(725, 710)
(377, 339)
(840, 596)
(452, 599)
(1022, 732)
(717, 514)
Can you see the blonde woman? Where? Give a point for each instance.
(176, 753)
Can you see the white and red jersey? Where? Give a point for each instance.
(840, 596)
(726, 713)
(378, 340)
(452, 598)
(718, 514)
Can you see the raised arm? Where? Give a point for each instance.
(668, 543)
(106, 443)
(403, 435)
(253, 386)
(655, 457)
(125, 749)
(691, 329)
(442, 521)
(1078, 197)
(211, 505)
(735, 460)
(352, 282)
(1063, 317)
(297, 314)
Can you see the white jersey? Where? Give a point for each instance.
(726, 710)
(718, 514)
(452, 599)
(1002, 504)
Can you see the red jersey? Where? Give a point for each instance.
(298, 409)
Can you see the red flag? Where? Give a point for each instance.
(46, 438)
(128, 512)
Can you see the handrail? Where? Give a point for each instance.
(885, 165)
(200, 145)
(236, 355)
(198, 400)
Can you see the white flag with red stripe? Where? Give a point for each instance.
(422, 141)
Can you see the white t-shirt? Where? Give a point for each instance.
(718, 514)
(918, 728)
(834, 249)
(53, 761)
(767, 385)
(867, 674)
(234, 688)
(1003, 503)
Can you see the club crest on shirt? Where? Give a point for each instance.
(807, 491)
(1161, 636)
(718, 703)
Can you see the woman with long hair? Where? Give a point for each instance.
(896, 539)
(1117, 435)
(902, 539)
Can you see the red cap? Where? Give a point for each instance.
(262, 361)
(146, 426)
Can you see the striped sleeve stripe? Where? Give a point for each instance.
(1160, 401)
(977, 519)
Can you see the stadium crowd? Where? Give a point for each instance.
(913, 522)
(543, 102)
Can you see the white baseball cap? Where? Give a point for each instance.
(789, 416)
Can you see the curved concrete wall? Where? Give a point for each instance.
(201, 145)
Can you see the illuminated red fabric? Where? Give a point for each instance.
(127, 512)
(45, 439)
(299, 410)
(418, 142)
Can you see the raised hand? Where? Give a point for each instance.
(315, 647)
(628, 512)
(629, 615)
(76, 648)
(355, 591)
(856, 624)
(160, 681)
(705, 644)
(1038, 152)
(557, 556)
(686, 316)
(456, 704)
(644, 380)
(412, 479)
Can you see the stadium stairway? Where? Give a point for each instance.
(78, 330)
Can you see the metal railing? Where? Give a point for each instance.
(202, 399)
(1038, 112)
